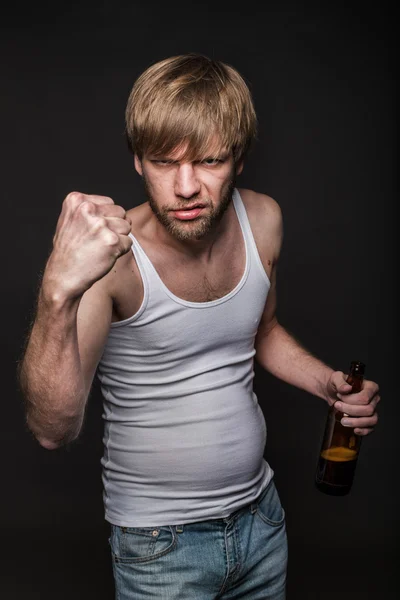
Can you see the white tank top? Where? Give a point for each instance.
(184, 434)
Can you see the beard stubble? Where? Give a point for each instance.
(195, 229)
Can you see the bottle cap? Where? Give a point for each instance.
(357, 367)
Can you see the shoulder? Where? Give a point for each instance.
(139, 215)
(261, 206)
(266, 222)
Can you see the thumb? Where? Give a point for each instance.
(344, 388)
(339, 383)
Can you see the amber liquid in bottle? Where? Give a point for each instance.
(340, 446)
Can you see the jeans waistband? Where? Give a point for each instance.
(252, 506)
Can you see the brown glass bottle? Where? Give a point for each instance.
(340, 446)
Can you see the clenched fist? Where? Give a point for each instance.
(91, 234)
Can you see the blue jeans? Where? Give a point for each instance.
(243, 556)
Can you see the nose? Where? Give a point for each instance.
(186, 181)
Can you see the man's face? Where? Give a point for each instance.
(188, 198)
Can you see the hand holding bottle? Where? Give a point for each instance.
(351, 415)
(358, 405)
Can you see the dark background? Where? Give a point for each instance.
(324, 89)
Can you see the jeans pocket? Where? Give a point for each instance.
(269, 507)
(141, 544)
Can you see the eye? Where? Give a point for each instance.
(212, 161)
(162, 162)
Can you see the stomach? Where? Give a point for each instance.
(194, 445)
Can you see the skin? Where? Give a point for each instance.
(210, 182)
(91, 279)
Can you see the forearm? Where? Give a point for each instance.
(51, 376)
(284, 357)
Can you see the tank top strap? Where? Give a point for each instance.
(247, 232)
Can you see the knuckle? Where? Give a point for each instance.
(100, 224)
(128, 245)
(74, 198)
(110, 238)
(370, 411)
(126, 227)
(120, 212)
(87, 207)
(373, 386)
(371, 423)
(105, 202)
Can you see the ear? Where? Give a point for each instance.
(138, 165)
(239, 167)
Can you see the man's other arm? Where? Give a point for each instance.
(282, 355)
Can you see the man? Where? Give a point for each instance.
(169, 303)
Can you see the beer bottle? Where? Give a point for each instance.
(340, 446)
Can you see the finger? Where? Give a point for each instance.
(120, 226)
(101, 210)
(339, 382)
(99, 200)
(370, 390)
(344, 388)
(362, 421)
(125, 244)
(111, 210)
(89, 209)
(371, 387)
(363, 430)
(358, 399)
(74, 199)
(358, 409)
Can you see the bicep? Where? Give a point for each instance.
(93, 324)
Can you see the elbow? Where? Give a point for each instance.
(48, 444)
(52, 443)
(52, 438)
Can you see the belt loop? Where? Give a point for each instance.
(179, 528)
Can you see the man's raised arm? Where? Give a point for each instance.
(72, 318)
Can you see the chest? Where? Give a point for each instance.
(195, 281)
(188, 279)
(191, 279)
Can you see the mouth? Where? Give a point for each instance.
(188, 213)
(188, 208)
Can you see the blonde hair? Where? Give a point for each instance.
(193, 102)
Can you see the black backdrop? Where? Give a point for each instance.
(323, 84)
